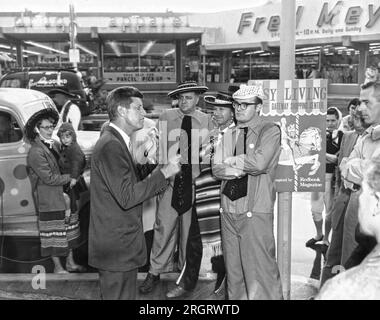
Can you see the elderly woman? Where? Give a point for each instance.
(362, 282)
(57, 238)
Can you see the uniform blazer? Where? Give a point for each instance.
(116, 237)
(47, 181)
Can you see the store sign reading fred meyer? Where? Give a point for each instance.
(327, 15)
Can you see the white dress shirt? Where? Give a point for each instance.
(73, 116)
(125, 137)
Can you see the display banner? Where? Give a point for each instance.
(299, 108)
(140, 77)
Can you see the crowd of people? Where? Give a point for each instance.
(352, 150)
(237, 148)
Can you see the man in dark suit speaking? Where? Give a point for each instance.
(116, 238)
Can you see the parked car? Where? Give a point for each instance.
(19, 235)
(45, 79)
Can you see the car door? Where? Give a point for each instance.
(17, 210)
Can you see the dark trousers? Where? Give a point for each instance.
(118, 285)
(194, 250)
(334, 253)
(365, 245)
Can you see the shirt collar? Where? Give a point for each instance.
(375, 132)
(194, 115)
(227, 128)
(125, 137)
(252, 124)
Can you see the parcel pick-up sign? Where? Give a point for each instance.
(299, 108)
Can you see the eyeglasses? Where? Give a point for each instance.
(51, 127)
(242, 106)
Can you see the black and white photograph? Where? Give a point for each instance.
(190, 155)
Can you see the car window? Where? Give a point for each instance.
(10, 130)
(11, 83)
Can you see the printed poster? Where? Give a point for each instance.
(299, 108)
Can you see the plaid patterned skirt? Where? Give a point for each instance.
(57, 237)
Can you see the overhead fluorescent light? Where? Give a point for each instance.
(265, 54)
(39, 45)
(308, 49)
(249, 53)
(237, 51)
(27, 51)
(33, 52)
(168, 53)
(147, 47)
(340, 48)
(114, 46)
(83, 48)
(258, 51)
(191, 41)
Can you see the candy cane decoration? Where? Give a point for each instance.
(297, 136)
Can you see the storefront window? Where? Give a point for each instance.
(139, 61)
(56, 54)
(249, 65)
(340, 67)
(213, 68)
(193, 67)
(374, 57)
(338, 64)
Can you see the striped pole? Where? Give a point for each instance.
(297, 135)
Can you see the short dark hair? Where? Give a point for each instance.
(354, 102)
(120, 96)
(47, 117)
(376, 88)
(334, 111)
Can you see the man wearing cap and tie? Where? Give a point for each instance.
(70, 112)
(247, 168)
(178, 127)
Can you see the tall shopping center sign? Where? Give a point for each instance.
(299, 108)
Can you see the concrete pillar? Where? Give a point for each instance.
(180, 50)
(284, 224)
(363, 61)
(19, 53)
(100, 52)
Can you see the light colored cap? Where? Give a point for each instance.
(248, 92)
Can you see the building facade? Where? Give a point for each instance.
(154, 51)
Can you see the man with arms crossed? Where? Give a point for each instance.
(248, 197)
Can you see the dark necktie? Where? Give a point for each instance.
(237, 188)
(183, 190)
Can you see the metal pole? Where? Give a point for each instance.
(73, 32)
(284, 212)
(204, 69)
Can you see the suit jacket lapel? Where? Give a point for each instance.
(126, 150)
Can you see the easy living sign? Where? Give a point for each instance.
(299, 108)
(315, 18)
